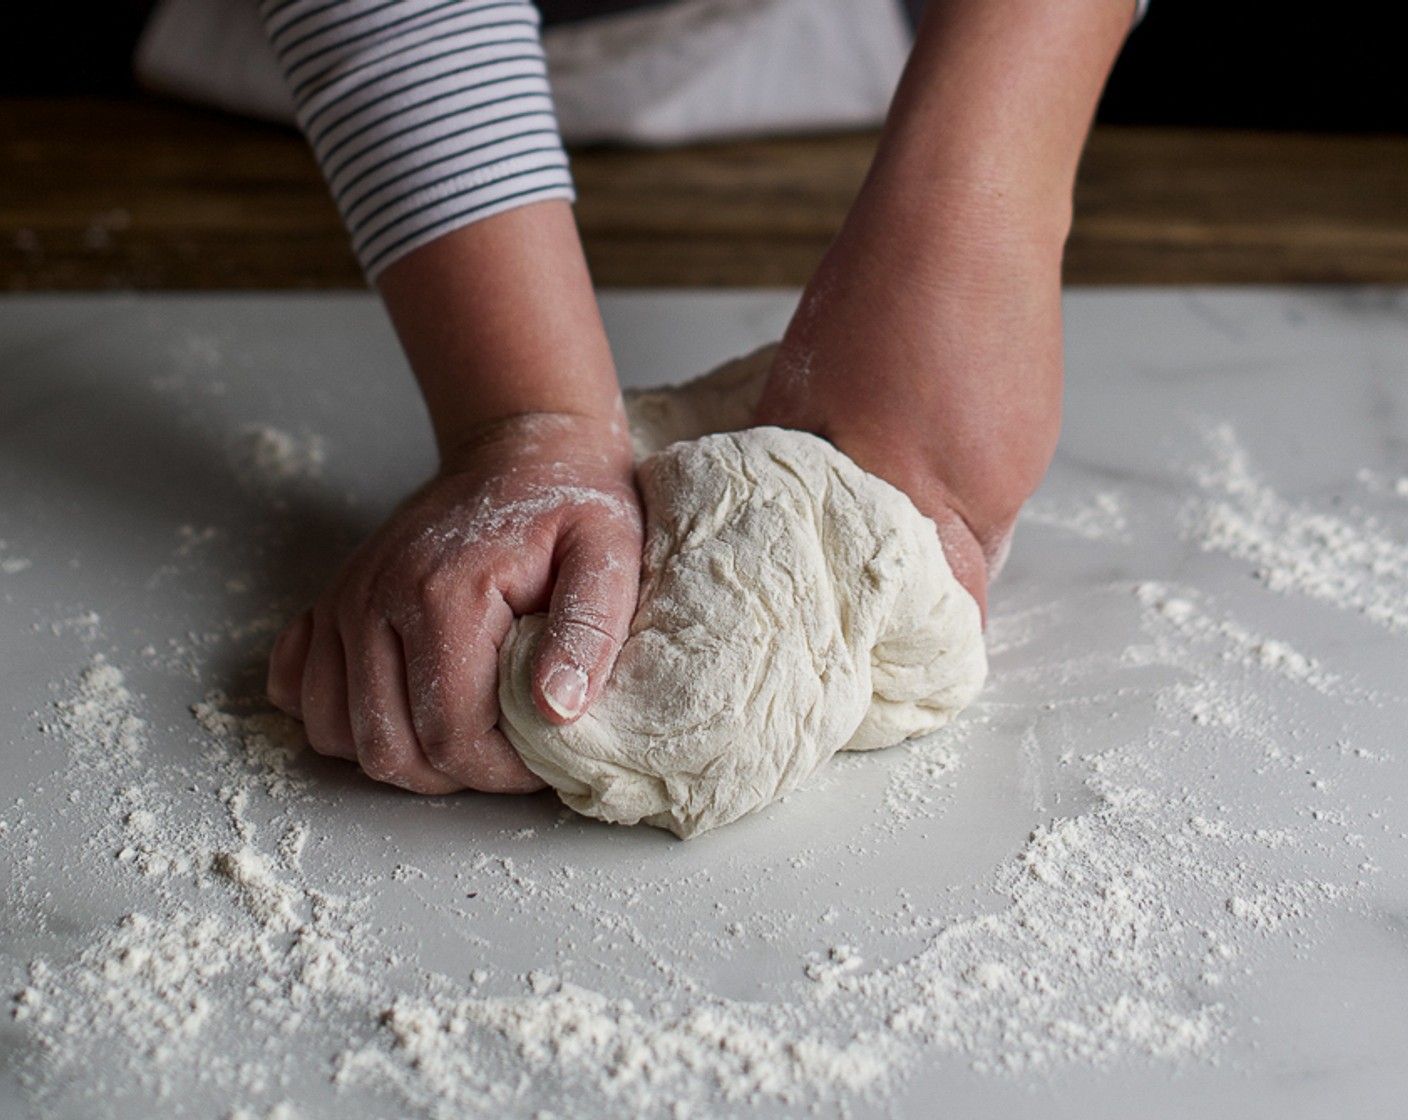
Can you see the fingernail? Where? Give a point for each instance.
(565, 690)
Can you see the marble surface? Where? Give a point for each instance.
(1161, 869)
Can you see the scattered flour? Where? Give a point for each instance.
(270, 456)
(1380, 484)
(1101, 517)
(1351, 561)
(1188, 620)
(101, 718)
(272, 901)
(12, 565)
(269, 742)
(645, 1063)
(1120, 931)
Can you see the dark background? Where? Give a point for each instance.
(1191, 62)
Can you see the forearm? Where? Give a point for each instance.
(942, 289)
(434, 127)
(499, 319)
(996, 102)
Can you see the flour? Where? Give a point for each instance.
(12, 565)
(1195, 622)
(271, 456)
(101, 717)
(1119, 935)
(281, 1111)
(1100, 517)
(1351, 561)
(271, 901)
(636, 1061)
(1378, 484)
(1075, 969)
(206, 918)
(270, 743)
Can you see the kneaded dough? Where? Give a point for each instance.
(791, 605)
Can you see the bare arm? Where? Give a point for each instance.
(499, 319)
(928, 344)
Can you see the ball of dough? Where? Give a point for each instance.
(791, 605)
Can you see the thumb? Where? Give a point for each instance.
(593, 600)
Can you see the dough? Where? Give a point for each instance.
(791, 606)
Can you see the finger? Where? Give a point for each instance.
(286, 660)
(593, 599)
(380, 713)
(453, 670)
(323, 695)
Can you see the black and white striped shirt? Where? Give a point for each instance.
(424, 114)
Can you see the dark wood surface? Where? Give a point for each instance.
(98, 194)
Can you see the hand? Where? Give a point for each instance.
(396, 665)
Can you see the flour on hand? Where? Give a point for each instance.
(791, 606)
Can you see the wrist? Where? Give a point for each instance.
(569, 396)
(499, 320)
(579, 444)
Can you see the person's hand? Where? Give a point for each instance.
(396, 665)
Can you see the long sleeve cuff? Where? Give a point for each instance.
(425, 115)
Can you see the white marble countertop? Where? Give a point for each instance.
(1160, 869)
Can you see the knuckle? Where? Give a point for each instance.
(324, 742)
(585, 625)
(352, 610)
(383, 766)
(382, 756)
(482, 761)
(447, 600)
(444, 751)
(440, 584)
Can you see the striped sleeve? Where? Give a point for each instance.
(425, 115)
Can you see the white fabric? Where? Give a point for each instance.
(709, 69)
(758, 66)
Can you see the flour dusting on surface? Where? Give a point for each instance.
(264, 935)
(1348, 559)
(10, 564)
(271, 456)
